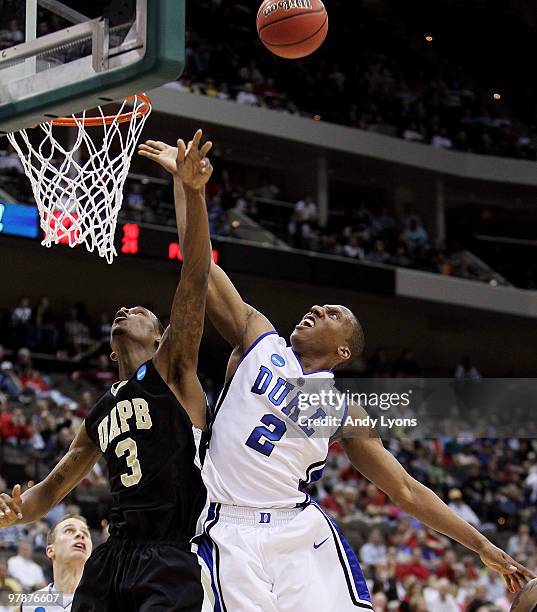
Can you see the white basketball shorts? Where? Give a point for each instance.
(279, 560)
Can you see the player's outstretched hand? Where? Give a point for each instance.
(11, 507)
(161, 153)
(514, 574)
(192, 164)
(188, 162)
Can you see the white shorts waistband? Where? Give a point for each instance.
(257, 517)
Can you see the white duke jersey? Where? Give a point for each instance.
(48, 599)
(267, 443)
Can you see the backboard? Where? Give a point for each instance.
(61, 57)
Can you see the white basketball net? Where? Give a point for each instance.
(79, 188)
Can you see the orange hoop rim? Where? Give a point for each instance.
(142, 110)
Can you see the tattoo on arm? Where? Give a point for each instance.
(188, 310)
(58, 479)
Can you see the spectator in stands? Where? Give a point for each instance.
(493, 583)
(216, 215)
(415, 236)
(375, 504)
(38, 535)
(439, 598)
(304, 222)
(21, 321)
(334, 502)
(412, 598)
(12, 36)
(413, 566)
(380, 602)
(466, 369)
(353, 248)
(22, 313)
(442, 140)
(102, 375)
(77, 336)
(521, 545)
(456, 503)
(246, 204)
(480, 600)
(9, 381)
(379, 254)
(8, 430)
(23, 362)
(24, 569)
(401, 258)
(33, 381)
(8, 584)
(21, 428)
(414, 134)
(247, 95)
(374, 551)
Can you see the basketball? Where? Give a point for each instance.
(526, 599)
(292, 28)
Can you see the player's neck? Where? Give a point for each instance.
(67, 577)
(313, 364)
(131, 359)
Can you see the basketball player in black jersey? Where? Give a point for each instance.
(144, 428)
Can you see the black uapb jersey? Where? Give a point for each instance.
(153, 463)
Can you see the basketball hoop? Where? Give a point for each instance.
(79, 188)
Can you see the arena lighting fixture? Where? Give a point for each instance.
(429, 38)
(497, 96)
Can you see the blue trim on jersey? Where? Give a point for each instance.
(253, 345)
(310, 477)
(357, 576)
(309, 373)
(315, 474)
(205, 551)
(213, 515)
(314, 467)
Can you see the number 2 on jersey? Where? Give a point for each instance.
(128, 447)
(265, 446)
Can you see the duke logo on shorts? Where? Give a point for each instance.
(265, 545)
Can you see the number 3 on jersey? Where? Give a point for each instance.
(272, 430)
(128, 447)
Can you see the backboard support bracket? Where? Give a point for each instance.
(63, 11)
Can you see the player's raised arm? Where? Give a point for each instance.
(235, 320)
(37, 501)
(368, 455)
(177, 356)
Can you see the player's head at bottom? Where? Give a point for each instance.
(331, 333)
(69, 541)
(135, 327)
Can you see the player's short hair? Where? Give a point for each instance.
(51, 537)
(356, 339)
(160, 327)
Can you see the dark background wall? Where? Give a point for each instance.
(439, 334)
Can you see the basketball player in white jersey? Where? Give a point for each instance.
(267, 545)
(68, 547)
